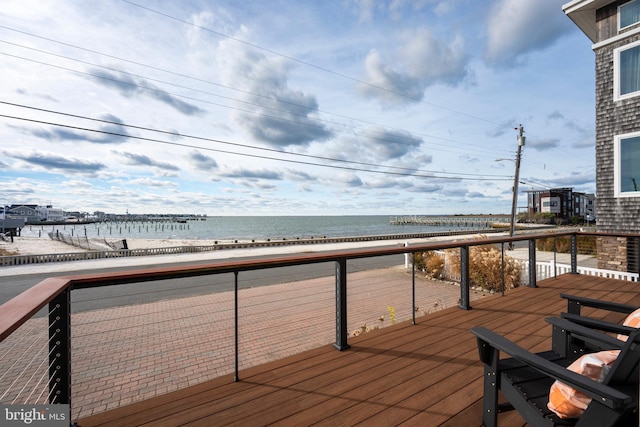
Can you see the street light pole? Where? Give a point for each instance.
(521, 140)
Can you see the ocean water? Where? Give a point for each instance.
(253, 227)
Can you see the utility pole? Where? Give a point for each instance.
(521, 139)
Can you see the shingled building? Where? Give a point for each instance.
(614, 28)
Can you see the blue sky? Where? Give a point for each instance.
(292, 107)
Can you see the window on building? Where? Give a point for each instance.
(627, 165)
(629, 14)
(626, 66)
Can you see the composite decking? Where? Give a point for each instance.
(426, 374)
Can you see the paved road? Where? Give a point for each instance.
(138, 293)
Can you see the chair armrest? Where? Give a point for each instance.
(575, 302)
(601, 325)
(570, 337)
(603, 394)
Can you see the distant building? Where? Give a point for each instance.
(29, 213)
(586, 205)
(48, 213)
(563, 203)
(33, 214)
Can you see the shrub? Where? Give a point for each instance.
(435, 266)
(431, 263)
(485, 268)
(419, 260)
(577, 219)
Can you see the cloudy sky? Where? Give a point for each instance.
(283, 107)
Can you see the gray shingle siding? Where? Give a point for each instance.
(613, 118)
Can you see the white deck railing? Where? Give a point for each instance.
(549, 269)
(545, 270)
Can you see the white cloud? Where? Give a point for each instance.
(519, 27)
(231, 80)
(421, 61)
(365, 9)
(270, 110)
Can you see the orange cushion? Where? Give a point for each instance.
(632, 320)
(568, 402)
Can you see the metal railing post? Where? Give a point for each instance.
(413, 288)
(532, 264)
(636, 256)
(341, 305)
(502, 284)
(60, 349)
(574, 254)
(464, 278)
(555, 258)
(236, 376)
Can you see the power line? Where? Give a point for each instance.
(249, 155)
(157, 90)
(308, 64)
(235, 89)
(280, 101)
(178, 134)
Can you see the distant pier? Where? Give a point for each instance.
(452, 221)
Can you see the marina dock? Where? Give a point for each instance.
(480, 222)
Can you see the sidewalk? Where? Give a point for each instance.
(126, 354)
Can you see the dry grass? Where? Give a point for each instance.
(4, 252)
(586, 244)
(485, 267)
(430, 263)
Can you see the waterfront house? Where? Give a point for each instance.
(49, 213)
(29, 213)
(35, 213)
(614, 28)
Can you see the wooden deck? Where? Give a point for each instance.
(425, 375)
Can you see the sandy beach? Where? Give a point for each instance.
(32, 245)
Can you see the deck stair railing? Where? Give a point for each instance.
(47, 377)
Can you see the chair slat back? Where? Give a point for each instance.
(625, 369)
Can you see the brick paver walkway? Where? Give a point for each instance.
(126, 354)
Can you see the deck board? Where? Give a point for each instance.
(425, 374)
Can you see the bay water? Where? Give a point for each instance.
(244, 228)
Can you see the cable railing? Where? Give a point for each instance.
(36, 350)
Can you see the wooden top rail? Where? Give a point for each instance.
(18, 310)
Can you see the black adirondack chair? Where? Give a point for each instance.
(526, 378)
(574, 305)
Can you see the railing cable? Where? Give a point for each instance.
(38, 353)
(39, 382)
